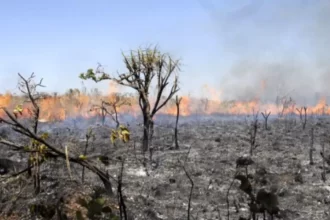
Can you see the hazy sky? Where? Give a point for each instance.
(230, 45)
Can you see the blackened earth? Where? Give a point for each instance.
(209, 147)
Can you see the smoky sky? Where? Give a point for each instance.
(281, 45)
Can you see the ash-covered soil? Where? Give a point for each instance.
(209, 148)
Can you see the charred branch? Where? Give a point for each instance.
(266, 116)
(286, 103)
(17, 126)
(302, 116)
(111, 108)
(29, 88)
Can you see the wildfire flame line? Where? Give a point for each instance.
(77, 104)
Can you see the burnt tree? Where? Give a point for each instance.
(311, 148)
(325, 159)
(177, 103)
(266, 115)
(114, 103)
(253, 130)
(144, 67)
(303, 116)
(285, 103)
(29, 89)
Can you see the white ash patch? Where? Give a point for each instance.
(136, 171)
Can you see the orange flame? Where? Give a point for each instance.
(77, 103)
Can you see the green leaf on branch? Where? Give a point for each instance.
(82, 157)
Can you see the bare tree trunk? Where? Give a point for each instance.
(311, 149)
(266, 115)
(148, 130)
(147, 123)
(323, 175)
(116, 116)
(206, 104)
(253, 134)
(105, 178)
(176, 134)
(121, 200)
(85, 153)
(177, 103)
(145, 141)
(305, 118)
(103, 116)
(37, 175)
(151, 135)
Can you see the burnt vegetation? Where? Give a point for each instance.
(113, 166)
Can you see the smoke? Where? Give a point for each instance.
(266, 80)
(279, 47)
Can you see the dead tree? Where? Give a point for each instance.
(143, 68)
(90, 136)
(29, 89)
(288, 106)
(253, 130)
(73, 102)
(205, 104)
(311, 148)
(177, 103)
(192, 185)
(120, 196)
(286, 103)
(73, 96)
(303, 116)
(101, 111)
(116, 102)
(41, 149)
(324, 159)
(191, 192)
(266, 116)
